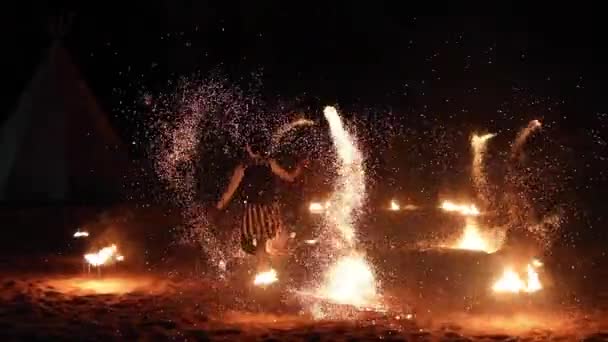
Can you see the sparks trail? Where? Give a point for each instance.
(349, 188)
(480, 181)
(286, 128)
(522, 136)
(350, 279)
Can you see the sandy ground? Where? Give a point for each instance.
(130, 306)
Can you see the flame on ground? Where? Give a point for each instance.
(474, 239)
(462, 209)
(103, 256)
(512, 282)
(265, 278)
(350, 281)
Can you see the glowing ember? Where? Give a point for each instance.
(512, 282)
(317, 207)
(463, 209)
(103, 256)
(311, 242)
(394, 206)
(265, 278)
(350, 281)
(80, 234)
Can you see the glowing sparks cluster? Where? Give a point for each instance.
(266, 278)
(350, 281)
(104, 256)
(349, 190)
(462, 209)
(512, 282)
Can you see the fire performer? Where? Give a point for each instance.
(262, 231)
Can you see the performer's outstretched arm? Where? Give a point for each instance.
(235, 181)
(284, 174)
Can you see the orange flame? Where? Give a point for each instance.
(104, 256)
(474, 239)
(462, 209)
(512, 282)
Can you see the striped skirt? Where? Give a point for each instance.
(261, 222)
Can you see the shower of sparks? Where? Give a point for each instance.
(349, 189)
(479, 146)
(350, 279)
(462, 209)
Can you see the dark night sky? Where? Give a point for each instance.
(477, 71)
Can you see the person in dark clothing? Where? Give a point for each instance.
(262, 231)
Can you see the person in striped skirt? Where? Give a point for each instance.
(261, 225)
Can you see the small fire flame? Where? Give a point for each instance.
(512, 282)
(350, 281)
(394, 206)
(462, 209)
(472, 240)
(79, 234)
(103, 256)
(265, 278)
